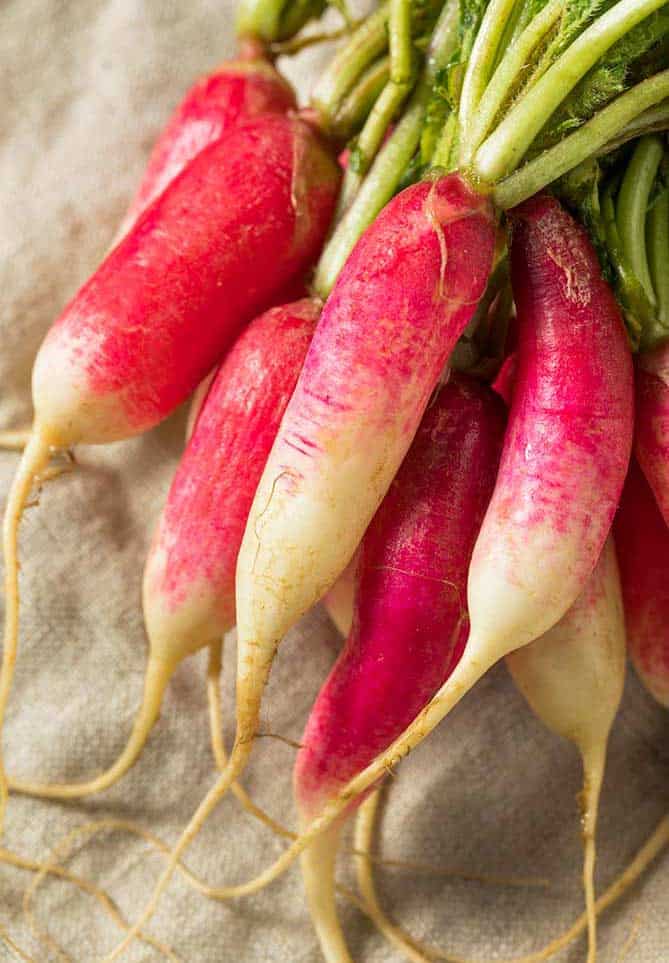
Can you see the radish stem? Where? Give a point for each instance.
(367, 43)
(508, 144)
(658, 256)
(361, 99)
(632, 207)
(399, 37)
(506, 75)
(583, 143)
(480, 66)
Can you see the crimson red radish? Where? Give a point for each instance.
(216, 102)
(410, 621)
(573, 679)
(652, 422)
(189, 576)
(642, 538)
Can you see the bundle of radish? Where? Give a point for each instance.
(496, 102)
(170, 298)
(189, 577)
(642, 538)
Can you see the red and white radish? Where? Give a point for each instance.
(651, 442)
(410, 622)
(642, 539)
(236, 90)
(573, 679)
(189, 599)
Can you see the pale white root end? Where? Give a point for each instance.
(318, 873)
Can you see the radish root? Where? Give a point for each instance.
(218, 746)
(52, 868)
(15, 440)
(35, 457)
(418, 952)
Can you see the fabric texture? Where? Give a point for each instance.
(86, 87)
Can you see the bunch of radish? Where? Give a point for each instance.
(347, 443)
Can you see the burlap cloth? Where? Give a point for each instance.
(85, 87)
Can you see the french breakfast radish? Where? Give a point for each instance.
(189, 599)
(573, 679)
(651, 442)
(642, 539)
(410, 621)
(238, 89)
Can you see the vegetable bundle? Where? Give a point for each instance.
(307, 448)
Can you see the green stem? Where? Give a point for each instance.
(583, 143)
(481, 61)
(259, 18)
(652, 121)
(658, 256)
(503, 150)
(386, 172)
(358, 104)
(632, 207)
(511, 67)
(399, 32)
(297, 13)
(368, 42)
(370, 139)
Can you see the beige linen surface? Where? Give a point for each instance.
(86, 85)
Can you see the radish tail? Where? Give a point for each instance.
(35, 457)
(158, 675)
(218, 746)
(107, 905)
(421, 953)
(15, 440)
(236, 763)
(594, 760)
(318, 873)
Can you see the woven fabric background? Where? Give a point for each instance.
(85, 87)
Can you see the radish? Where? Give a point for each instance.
(410, 621)
(235, 91)
(642, 539)
(189, 576)
(652, 422)
(573, 679)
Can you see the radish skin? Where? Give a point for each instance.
(573, 679)
(339, 600)
(189, 599)
(651, 443)
(409, 625)
(215, 103)
(642, 538)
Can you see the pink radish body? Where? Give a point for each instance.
(568, 442)
(573, 679)
(652, 422)
(233, 92)
(170, 298)
(189, 598)
(407, 291)
(505, 381)
(410, 622)
(642, 538)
